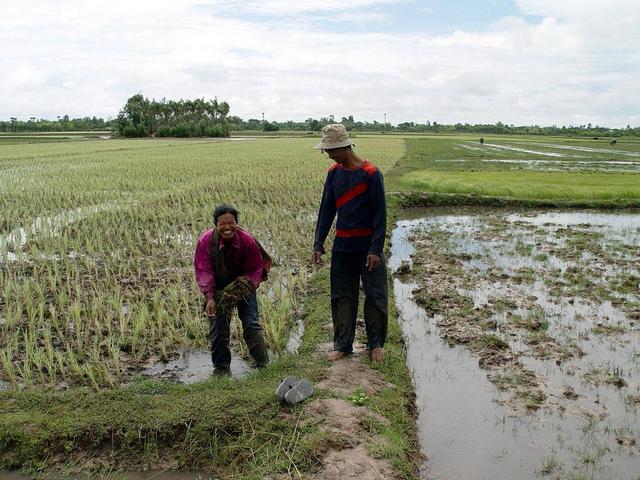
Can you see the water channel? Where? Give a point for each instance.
(465, 429)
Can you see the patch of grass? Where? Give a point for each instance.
(401, 444)
(530, 185)
(632, 400)
(489, 341)
(535, 320)
(602, 329)
(453, 171)
(224, 426)
(549, 465)
(525, 275)
(599, 376)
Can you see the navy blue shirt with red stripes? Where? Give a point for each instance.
(357, 196)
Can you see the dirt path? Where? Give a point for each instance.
(349, 457)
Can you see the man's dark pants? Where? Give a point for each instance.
(251, 331)
(347, 268)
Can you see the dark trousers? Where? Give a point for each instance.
(251, 332)
(347, 269)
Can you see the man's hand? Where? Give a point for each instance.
(210, 309)
(373, 262)
(316, 258)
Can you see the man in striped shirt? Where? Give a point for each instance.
(354, 190)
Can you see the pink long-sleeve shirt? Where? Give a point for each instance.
(242, 256)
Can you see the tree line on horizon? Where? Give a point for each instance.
(141, 117)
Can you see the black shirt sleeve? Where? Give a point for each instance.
(326, 215)
(379, 204)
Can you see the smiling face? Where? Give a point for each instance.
(226, 226)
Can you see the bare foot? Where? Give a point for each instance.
(377, 355)
(336, 355)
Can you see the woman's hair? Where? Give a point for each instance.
(221, 210)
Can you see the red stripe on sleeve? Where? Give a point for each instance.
(351, 194)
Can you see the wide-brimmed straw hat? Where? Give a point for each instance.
(334, 136)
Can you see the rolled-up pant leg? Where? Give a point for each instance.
(345, 285)
(375, 303)
(252, 331)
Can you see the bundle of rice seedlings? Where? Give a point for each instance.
(238, 290)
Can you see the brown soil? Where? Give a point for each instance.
(350, 374)
(345, 420)
(353, 463)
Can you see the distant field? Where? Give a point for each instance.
(10, 138)
(521, 168)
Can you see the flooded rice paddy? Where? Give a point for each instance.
(522, 333)
(550, 157)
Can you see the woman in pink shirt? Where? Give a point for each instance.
(223, 254)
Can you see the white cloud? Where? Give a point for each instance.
(86, 58)
(287, 7)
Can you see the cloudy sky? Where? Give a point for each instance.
(564, 62)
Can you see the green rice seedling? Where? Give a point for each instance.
(109, 248)
(61, 365)
(232, 294)
(24, 369)
(278, 313)
(8, 368)
(77, 372)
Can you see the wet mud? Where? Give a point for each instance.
(522, 333)
(193, 366)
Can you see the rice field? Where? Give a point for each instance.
(97, 239)
(97, 287)
(544, 168)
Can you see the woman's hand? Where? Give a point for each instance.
(210, 309)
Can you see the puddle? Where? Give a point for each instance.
(295, 340)
(524, 150)
(609, 151)
(588, 426)
(464, 432)
(194, 366)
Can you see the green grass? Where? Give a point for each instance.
(223, 426)
(530, 185)
(142, 204)
(110, 228)
(458, 170)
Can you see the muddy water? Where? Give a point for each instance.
(464, 429)
(195, 366)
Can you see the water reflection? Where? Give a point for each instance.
(586, 429)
